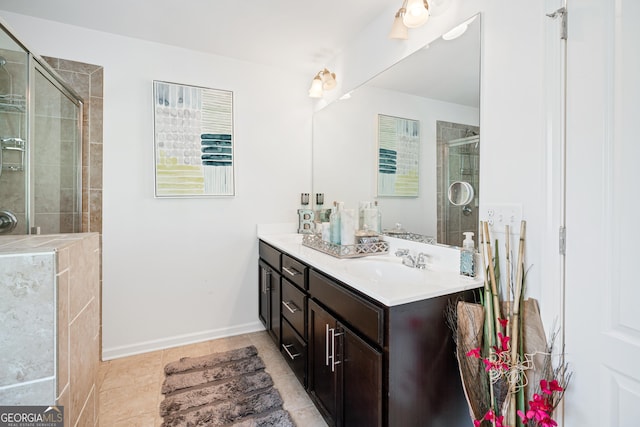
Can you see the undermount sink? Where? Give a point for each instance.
(385, 269)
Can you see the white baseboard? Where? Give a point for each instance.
(179, 340)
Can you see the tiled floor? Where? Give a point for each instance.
(130, 387)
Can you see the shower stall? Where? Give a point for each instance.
(40, 145)
(458, 181)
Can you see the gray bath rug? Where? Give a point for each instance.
(221, 389)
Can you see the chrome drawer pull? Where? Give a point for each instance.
(292, 272)
(288, 304)
(286, 348)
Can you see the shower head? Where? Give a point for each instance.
(3, 61)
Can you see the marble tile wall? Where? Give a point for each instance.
(69, 356)
(27, 316)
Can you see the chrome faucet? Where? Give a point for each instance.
(410, 261)
(421, 261)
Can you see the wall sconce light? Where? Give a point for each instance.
(412, 14)
(324, 80)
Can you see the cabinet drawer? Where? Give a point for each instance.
(294, 351)
(293, 306)
(294, 270)
(270, 254)
(361, 315)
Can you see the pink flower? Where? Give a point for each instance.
(549, 387)
(504, 341)
(491, 416)
(474, 353)
(503, 322)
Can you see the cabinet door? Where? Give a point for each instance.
(360, 374)
(274, 306)
(264, 294)
(322, 377)
(269, 300)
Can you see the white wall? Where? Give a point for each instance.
(178, 267)
(182, 270)
(344, 150)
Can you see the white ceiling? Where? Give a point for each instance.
(295, 34)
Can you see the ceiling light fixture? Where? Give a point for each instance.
(412, 14)
(399, 31)
(324, 80)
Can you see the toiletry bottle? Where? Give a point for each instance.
(334, 223)
(467, 256)
(348, 225)
(378, 227)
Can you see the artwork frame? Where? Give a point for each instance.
(398, 157)
(194, 141)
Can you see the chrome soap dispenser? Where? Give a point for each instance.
(468, 256)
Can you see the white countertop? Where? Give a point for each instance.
(383, 277)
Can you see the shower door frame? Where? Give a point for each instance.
(36, 64)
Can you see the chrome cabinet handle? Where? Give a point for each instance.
(326, 345)
(291, 271)
(286, 348)
(265, 276)
(334, 362)
(288, 305)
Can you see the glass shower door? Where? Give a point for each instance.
(55, 150)
(13, 136)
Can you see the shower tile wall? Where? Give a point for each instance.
(456, 164)
(87, 81)
(51, 281)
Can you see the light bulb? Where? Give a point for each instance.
(416, 15)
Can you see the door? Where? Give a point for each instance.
(602, 319)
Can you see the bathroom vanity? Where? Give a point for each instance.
(366, 337)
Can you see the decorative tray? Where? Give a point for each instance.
(345, 251)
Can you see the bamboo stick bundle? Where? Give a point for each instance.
(515, 322)
(507, 243)
(489, 323)
(490, 335)
(494, 287)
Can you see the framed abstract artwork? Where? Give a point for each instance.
(398, 156)
(193, 141)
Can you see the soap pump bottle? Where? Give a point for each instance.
(467, 256)
(334, 223)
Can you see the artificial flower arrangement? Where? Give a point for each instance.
(504, 358)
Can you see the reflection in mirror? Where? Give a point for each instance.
(437, 86)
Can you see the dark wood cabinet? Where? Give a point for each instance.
(363, 363)
(345, 373)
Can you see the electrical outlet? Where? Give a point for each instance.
(500, 215)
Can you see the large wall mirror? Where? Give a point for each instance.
(437, 87)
